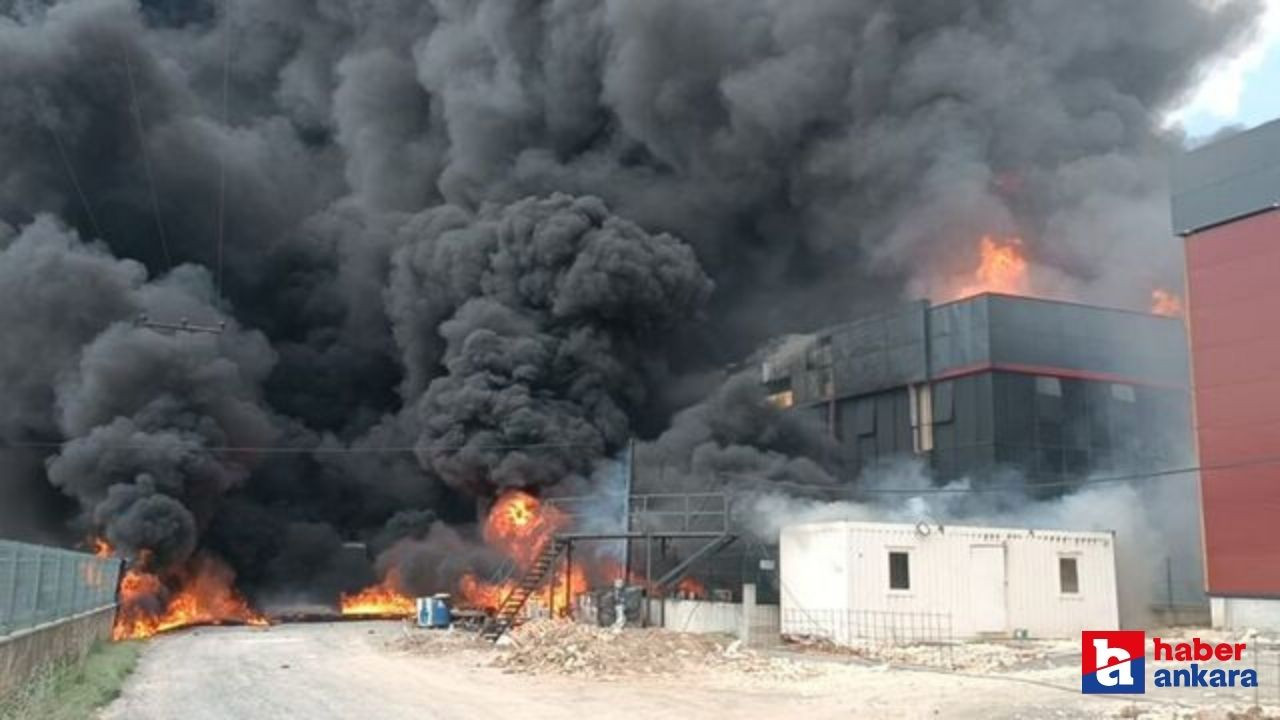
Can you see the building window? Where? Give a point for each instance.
(1068, 576)
(1050, 386)
(783, 400)
(1123, 393)
(899, 570)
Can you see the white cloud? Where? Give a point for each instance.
(1219, 94)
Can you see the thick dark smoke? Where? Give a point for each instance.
(435, 229)
(544, 358)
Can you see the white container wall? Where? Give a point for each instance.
(851, 581)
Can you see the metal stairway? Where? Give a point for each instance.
(664, 583)
(509, 610)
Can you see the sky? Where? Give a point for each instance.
(1240, 90)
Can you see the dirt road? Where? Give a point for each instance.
(347, 670)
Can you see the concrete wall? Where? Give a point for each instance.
(747, 621)
(1245, 613)
(25, 653)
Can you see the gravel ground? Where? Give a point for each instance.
(387, 671)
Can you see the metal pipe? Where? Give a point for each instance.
(648, 574)
(568, 580)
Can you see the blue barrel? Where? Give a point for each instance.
(440, 614)
(434, 612)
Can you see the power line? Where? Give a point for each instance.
(75, 181)
(282, 450)
(146, 161)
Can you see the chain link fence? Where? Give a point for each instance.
(41, 584)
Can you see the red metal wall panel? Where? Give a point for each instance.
(1233, 281)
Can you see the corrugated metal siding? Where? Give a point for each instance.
(1087, 339)
(963, 429)
(985, 352)
(959, 335)
(880, 352)
(1227, 180)
(940, 577)
(1234, 302)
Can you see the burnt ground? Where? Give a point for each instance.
(384, 670)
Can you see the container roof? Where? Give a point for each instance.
(926, 529)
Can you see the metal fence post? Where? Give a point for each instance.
(1255, 664)
(35, 588)
(9, 617)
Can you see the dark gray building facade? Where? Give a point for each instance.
(992, 384)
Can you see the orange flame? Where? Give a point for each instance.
(383, 599)
(205, 596)
(1002, 268)
(102, 548)
(691, 589)
(519, 525)
(481, 594)
(1164, 302)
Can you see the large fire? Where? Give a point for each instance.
(383, 599)
(205, 595)
(1164, 302)
(1002, 268)
(520, 526)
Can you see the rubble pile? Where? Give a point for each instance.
(567, 648)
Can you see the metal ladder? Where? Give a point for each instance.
(509, 609)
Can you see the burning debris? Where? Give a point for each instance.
(382, 600)
(206, 595)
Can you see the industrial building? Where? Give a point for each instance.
(1054, 391)
(865, 581)
(1226, 205)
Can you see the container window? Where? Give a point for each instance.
(1068, 576)
(899, 571)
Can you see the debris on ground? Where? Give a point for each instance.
(432, 643)
(1221, 712)
(568, 648)
(974, 657)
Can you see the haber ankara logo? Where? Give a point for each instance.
(1113, 661)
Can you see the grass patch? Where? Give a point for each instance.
(73, 692)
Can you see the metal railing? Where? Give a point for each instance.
(869, 627)
(680, 512)
(41, 584)
(659, 512)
